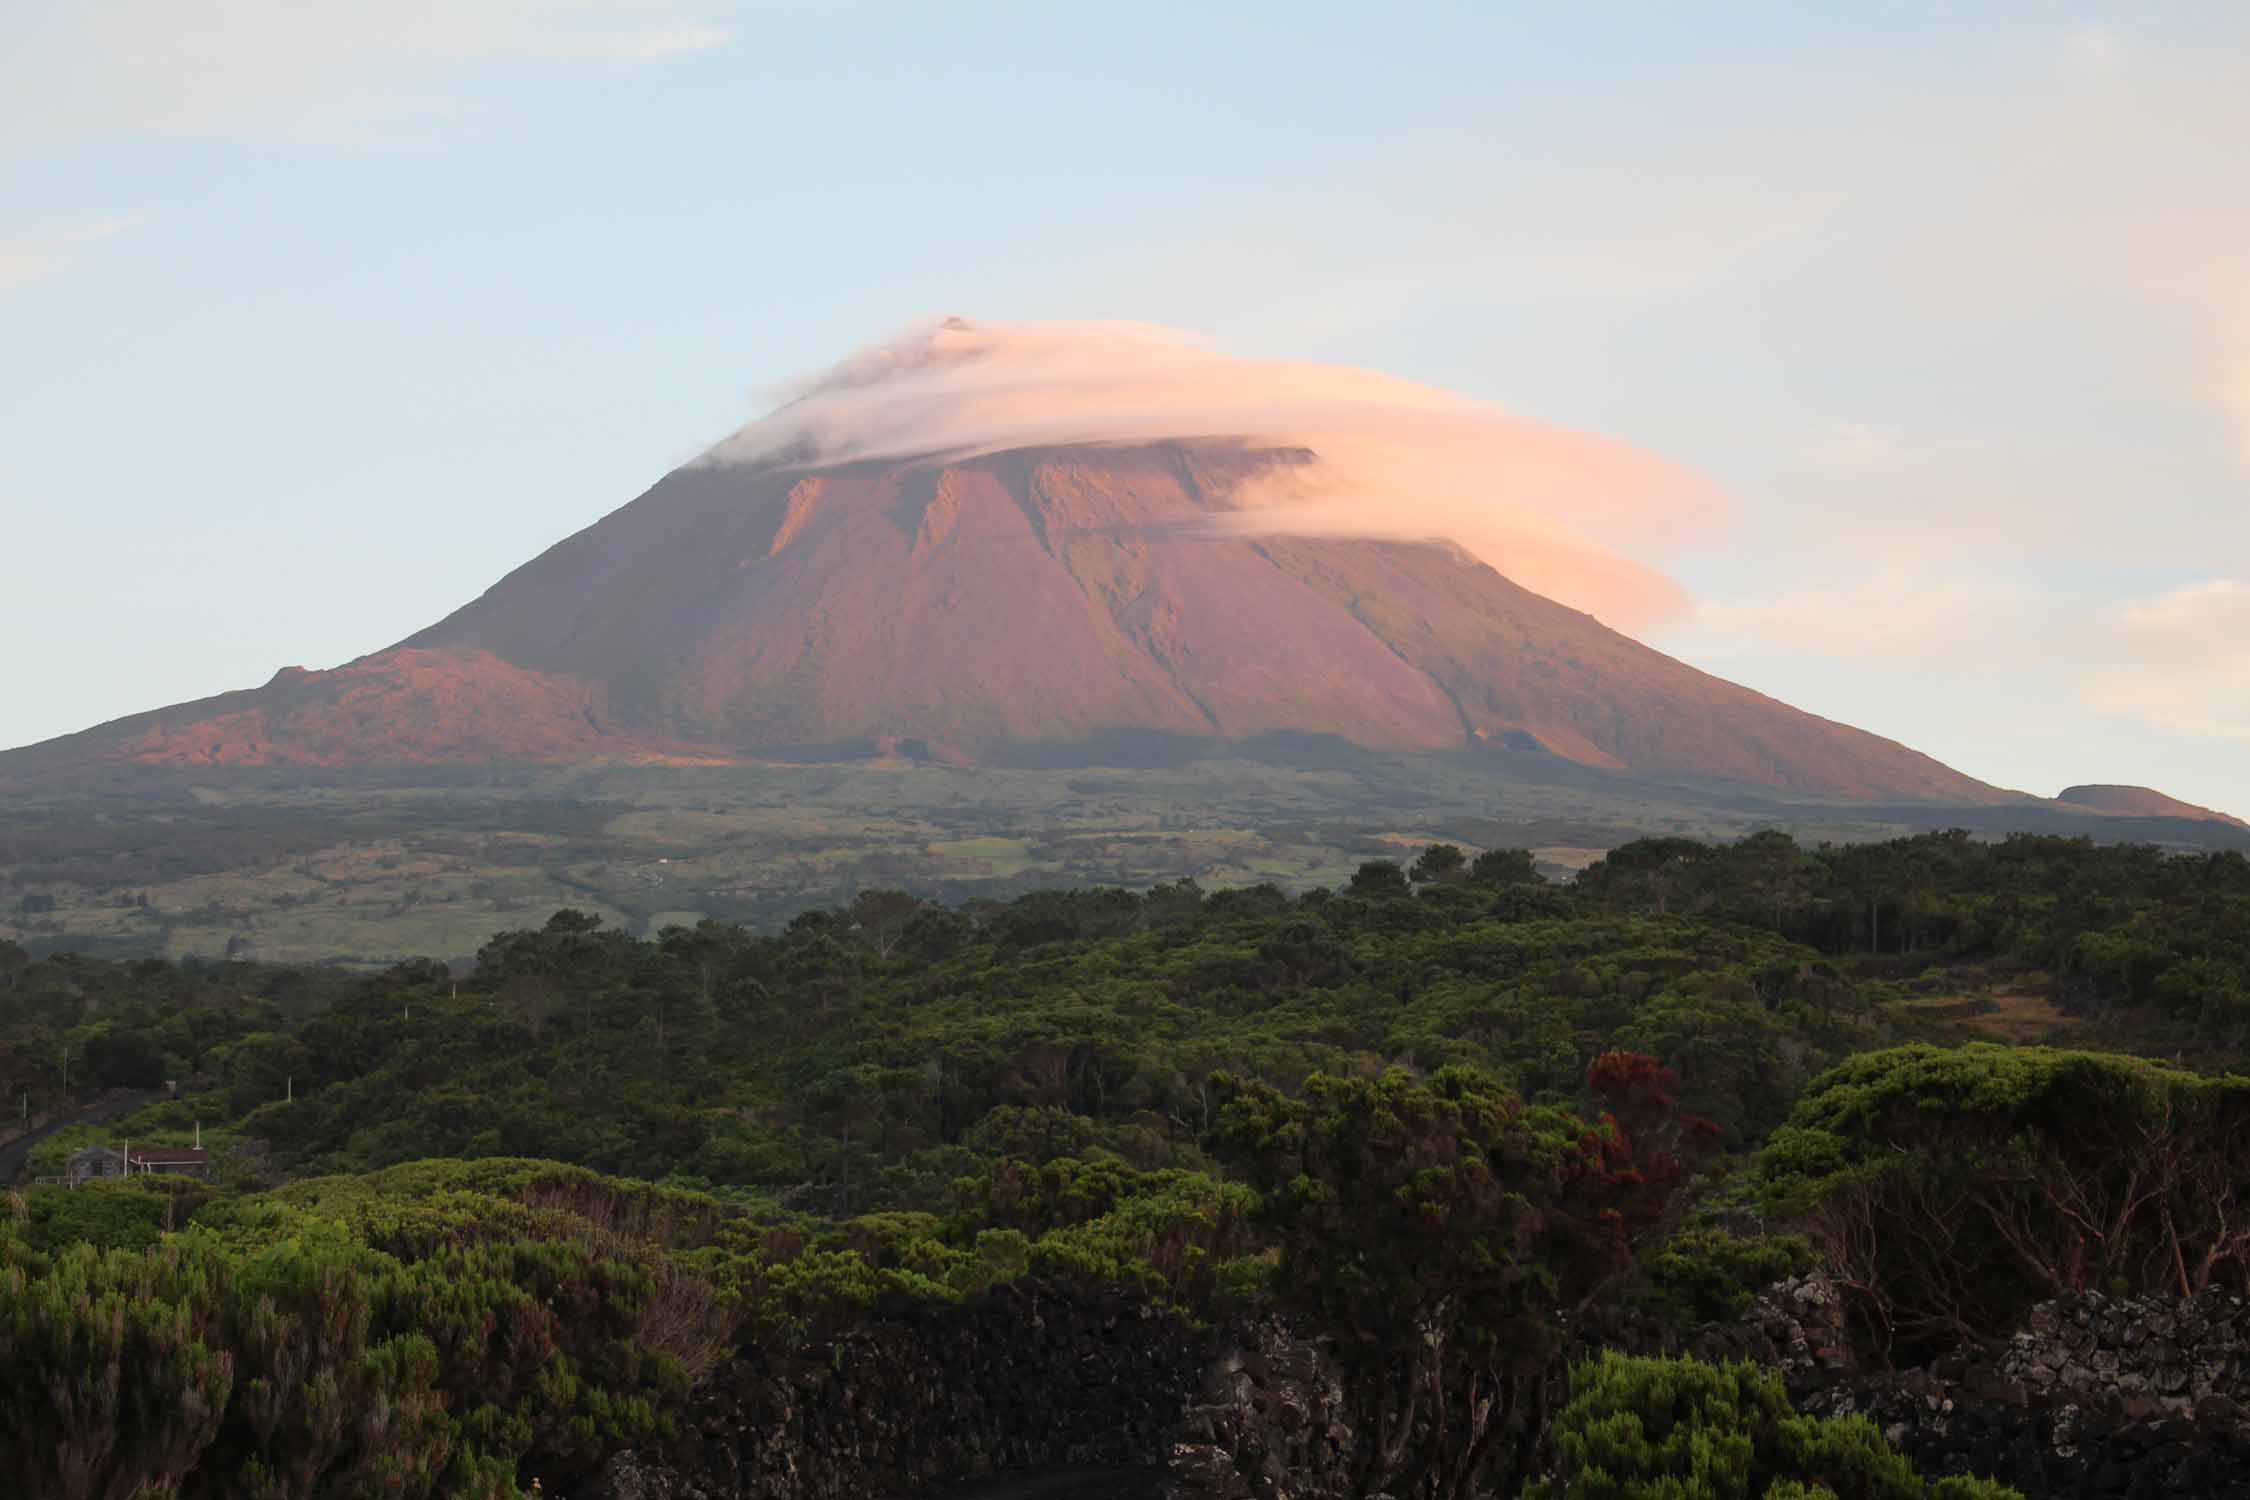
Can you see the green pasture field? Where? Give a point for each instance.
(313, 867)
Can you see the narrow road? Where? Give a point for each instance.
(16, 1152)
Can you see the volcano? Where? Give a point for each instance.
(986, 538)
(1057, 594)
(967, 607)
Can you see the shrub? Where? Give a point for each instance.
(1950, 1188)
(1681, 1429)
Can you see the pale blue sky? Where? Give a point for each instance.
(316, 318)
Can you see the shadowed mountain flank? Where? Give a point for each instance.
(1036, 596)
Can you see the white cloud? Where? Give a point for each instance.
(2073, 247)
(24, 261)
(317, 67)
(2094, 51)
(633, 46)
(1850, 445)
(1545, 505)
(2177, 662)
(2183, 661)
(2232, 386)
(2033, 194)
(1957, 619)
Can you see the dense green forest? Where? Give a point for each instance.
(1451, 1097)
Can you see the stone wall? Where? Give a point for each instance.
(1030, 1379)
(2097, 1397)
(1268, 1419)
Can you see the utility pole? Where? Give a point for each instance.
(289, 1088)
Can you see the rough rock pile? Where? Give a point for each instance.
(2096, 1397)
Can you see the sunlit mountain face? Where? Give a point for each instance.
(981, 537)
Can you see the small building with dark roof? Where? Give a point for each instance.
(136, 1159)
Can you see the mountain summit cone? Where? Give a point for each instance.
(1030, 596)
(1055, 594)
(1015, 576)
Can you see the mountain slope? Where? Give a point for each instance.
(1037, 595)
(400, 707)
(1054, 594)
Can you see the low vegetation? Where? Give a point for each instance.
(1655, 1429)
(466, 1230)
